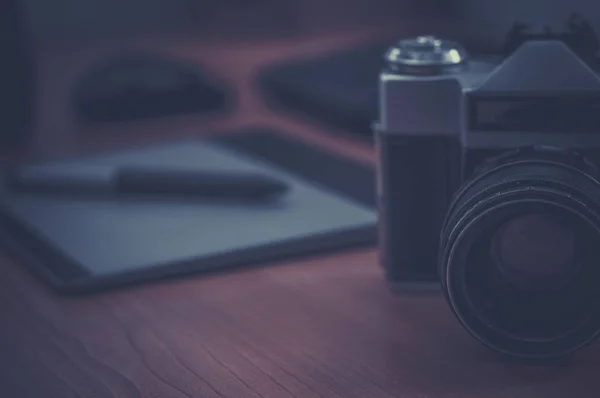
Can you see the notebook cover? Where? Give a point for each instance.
(81, 245)
(338, 89)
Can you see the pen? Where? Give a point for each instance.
(154, 181)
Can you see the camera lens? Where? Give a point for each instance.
(534, 251)
(519, 255)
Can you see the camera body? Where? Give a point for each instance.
(488, 181)
(443, 115)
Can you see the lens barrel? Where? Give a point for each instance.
(519, 253)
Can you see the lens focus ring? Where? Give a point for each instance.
(520, 184)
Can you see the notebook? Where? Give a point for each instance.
(79, 245)
(338, 89)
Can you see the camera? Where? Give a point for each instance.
(488, 182)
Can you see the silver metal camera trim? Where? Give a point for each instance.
(434, 105)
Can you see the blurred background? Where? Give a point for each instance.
(244, 50)
(99, 75)
(238, 18)
(95, 75)
(52, 48)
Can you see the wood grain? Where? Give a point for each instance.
(320, 327)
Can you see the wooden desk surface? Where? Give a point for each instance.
(321, 327)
